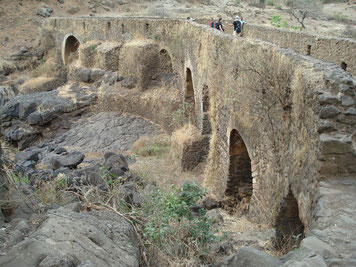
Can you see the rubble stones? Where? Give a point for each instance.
(45, 11)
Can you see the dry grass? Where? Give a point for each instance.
(164, 172)
(51, 66)
(152, 146)
(38, 84)
(235, 224)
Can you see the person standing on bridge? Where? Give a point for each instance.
(238, 23)
(212, 23)
(219, 25)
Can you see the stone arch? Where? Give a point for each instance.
(289, 228)
(343, 65)
(70, 47)
(309, 50)
(189, 98)
(239, 184)
(165, 61)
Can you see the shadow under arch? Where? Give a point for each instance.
(69, 48)
(239, 183)
(189, 99)
(165, 62)
(289, 228)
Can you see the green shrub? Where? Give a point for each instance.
(93, 48)
(169, 225)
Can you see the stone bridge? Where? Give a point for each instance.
(279, 122)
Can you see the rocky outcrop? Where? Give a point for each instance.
(21, 116)
(67, 237)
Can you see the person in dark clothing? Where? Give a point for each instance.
(238, 23)
(219, 25)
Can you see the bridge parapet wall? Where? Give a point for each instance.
(341, 51)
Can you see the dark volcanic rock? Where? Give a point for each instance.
(28, 155)
(71, 160)
(116, 164)
(103, 238)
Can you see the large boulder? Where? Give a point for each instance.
(251, 257)
(69, 237)
(115, 164)
(71, 160)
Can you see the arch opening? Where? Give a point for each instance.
(289, 228)
(239, 184)
(189, 96)
(343, 65)
(165, 75)
(165, 62)
(206, 126)
(308, 50)
(70, 49)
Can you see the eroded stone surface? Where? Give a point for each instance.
(103, 238)
(107, 131)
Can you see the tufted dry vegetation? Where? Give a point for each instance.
(49, 66)
(152, 146)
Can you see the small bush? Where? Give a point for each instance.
(93, 48)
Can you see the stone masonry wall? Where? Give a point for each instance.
(337, 50)
(294, 113)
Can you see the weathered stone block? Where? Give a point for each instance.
(88, 54)
(326, 126)
(189, 147)
(326, 99)
(348, 119)
(108, 55)
(347, 101)
(139, 60)
(328, 112)
(331, 145)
